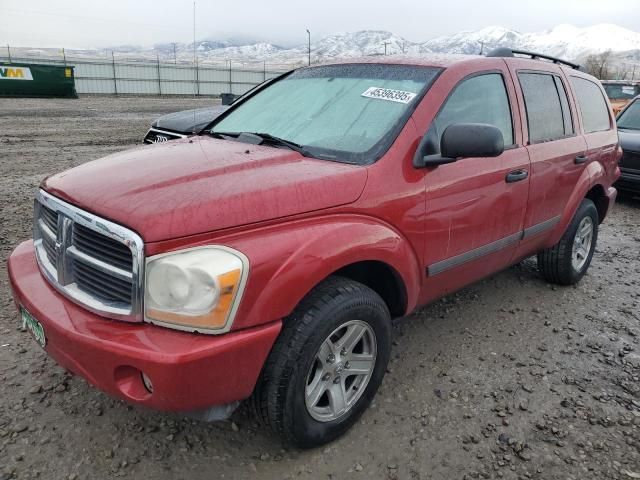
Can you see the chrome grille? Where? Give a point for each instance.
(155, 135)
(103, 248)
(91, 260)
(49, 230)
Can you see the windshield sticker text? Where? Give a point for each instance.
(389, 94)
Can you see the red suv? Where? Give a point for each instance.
(265, 257)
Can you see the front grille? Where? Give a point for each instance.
(91, 260)
(100, 284)
(103, 248)
(49, 232)
(160, 136)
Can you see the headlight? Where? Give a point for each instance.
(197, 289)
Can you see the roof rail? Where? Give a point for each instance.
(509, 52)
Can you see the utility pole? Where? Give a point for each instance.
(385, 46)
(195, 64)
(481, 47)
(309, 46)
(9, 52)
(633, 74)
(175, 58)
(64, 56)
(115, 78)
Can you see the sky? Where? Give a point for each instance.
(100, 24)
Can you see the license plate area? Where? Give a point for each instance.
(34, 326)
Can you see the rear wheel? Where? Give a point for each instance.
(327, 363)
(566, 262)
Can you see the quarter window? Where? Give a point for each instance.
(547, 107)
(593, 107)
(479, 99)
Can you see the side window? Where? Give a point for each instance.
(566, 111)
(548, 114)
(480, 99)
(593, 106)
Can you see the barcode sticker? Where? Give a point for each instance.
(389, 94)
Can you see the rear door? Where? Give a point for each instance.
(557, 151)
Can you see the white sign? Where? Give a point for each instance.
(9, 72)
(628, 90)
(389, 94)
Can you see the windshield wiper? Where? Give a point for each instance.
(265, 138)
(223, 135)
(272, 139)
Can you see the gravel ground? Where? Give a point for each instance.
(509, 378)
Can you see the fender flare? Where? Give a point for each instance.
(589, 178)
(308, 251)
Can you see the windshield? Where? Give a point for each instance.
(621, 92)
(349, 113)
(630, 118)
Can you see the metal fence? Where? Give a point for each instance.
(157, 78)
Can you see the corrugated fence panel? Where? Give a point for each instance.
(149, 78)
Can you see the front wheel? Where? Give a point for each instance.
(327, 363)
(566, 262)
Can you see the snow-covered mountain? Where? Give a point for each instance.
(565, 41)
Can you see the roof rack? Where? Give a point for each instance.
(509, 52)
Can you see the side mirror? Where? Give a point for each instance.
(463, 140)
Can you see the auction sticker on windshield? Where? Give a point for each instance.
(34, 326)
(380, 93)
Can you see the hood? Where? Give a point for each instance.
(201, 184)
(189, 121)
(629, 139)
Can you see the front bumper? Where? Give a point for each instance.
(188, 371)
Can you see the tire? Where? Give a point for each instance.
(557, 264)
(293, 366)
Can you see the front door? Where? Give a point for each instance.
(475, 206)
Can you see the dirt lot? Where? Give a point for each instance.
(509, 378)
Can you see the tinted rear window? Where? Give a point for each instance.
(545, 113)
(593, 107)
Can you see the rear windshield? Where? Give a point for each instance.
(621, 92)
(630, 118)
(349, 113)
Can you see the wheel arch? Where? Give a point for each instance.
(597, 194)
(359, 248)
(383, 279)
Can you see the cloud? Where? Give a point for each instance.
(83, 24)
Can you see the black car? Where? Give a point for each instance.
(629, 132)
(180, 124)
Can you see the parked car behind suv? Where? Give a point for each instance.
(181, 124)
(621, 92)
(265, 257)
(629, 132)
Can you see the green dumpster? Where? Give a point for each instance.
(35, 80)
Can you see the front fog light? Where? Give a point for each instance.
(195, 289)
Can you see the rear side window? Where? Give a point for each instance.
(593, 106)
(479, 99)
(548, 114)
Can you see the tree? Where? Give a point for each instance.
(598, 64)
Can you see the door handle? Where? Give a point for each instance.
(580, 159)
(516, 176)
